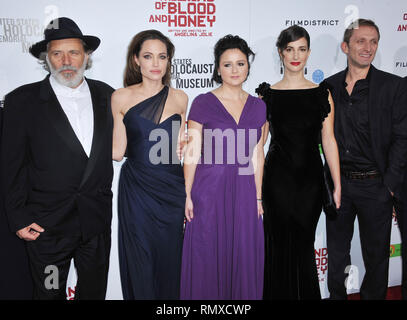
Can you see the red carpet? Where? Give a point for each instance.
(393, 293)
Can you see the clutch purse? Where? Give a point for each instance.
(328, 204)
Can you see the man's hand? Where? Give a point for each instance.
(30, 233)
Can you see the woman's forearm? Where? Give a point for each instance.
(332, 157)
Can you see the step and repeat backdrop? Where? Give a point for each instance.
(194, 26)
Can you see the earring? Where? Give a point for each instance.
(305, 70)
(281, 67)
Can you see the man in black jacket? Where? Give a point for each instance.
(57, 166)
(401, 214)
(371, 131)
(15, 275)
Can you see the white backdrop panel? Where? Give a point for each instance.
(257, 21)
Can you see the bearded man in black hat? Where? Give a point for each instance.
(57, 166)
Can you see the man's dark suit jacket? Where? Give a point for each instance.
(15, 276)
(387, 120)
(48, 178)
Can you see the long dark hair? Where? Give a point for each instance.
(132, 74)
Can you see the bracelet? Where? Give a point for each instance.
(260, 200)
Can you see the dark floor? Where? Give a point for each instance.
(393, 293)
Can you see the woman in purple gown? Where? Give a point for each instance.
(223, 251)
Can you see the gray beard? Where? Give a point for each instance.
(71, 81)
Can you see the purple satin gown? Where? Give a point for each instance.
(223, 250)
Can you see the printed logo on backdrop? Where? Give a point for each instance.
(189, 75)
(400, 62)
(192, 18)
(70, 292)
(403, 26)
(321, 256)
(25, 31)
(321, 259)
(400, 56)
(395, 222)
(395, 250)
(312, 22)
(318, 76)
(352, 12)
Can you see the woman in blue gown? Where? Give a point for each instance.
(149, 120)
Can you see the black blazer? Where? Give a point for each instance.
(387, 120)
(48, 178)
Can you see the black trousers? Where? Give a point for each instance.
(401, 213)
(371, 202)
(50, 258)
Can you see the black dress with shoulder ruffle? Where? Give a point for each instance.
(292, 190)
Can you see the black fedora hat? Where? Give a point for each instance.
(62, 28)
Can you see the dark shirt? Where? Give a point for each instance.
(352, 127)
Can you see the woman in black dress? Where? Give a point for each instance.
(299, 113)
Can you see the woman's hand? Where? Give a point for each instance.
(182, 146)
(260, 210)
(337, 197)
(189, 209)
